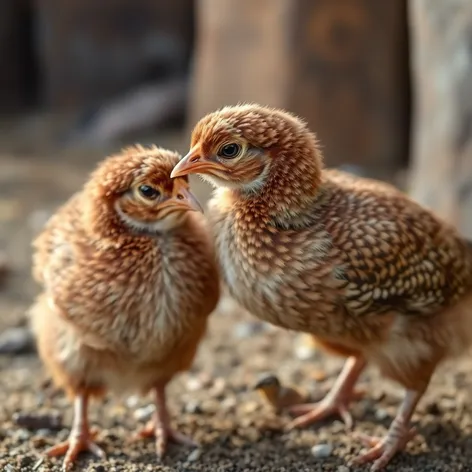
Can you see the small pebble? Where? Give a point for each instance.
(9, 468)
(228, 403)
(52, 421)
(318, 375)
(249, 407)
(343, 468)
(218, 387)
(22, 435)
(17, 341)
(321, 451)
(194, 384)
(144, 413)
(305, 348)
(193, 407)
(433, 409)
(381, 414)
(247, 329)
(132, 401)
(194, 455)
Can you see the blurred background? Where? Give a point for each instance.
(385, 84)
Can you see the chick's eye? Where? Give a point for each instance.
(230, 150)
(148, 192)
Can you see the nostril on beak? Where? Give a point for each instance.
(180, 196)
(194, 159)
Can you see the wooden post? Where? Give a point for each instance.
(341, 64)
(441, 179)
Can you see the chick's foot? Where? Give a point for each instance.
(382, 450)
(336, 402)
(399, 434)
(159, 427)
(81, 439)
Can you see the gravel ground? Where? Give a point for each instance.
(214, 402)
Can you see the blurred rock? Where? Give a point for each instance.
(305, 347)
(17, 341)
(39, 422)
(321, 451)
(132, 401)
(246, 329)
(144, 413)
(194, 455)
(343, 468)
(193, 407)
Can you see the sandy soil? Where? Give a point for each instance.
(214, 402)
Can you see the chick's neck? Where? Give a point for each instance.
(292, 189)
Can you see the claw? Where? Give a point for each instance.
(336, 402)
(160, 429)
(382, 450)
(81, 439)
(319, 411)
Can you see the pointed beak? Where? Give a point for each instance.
(188, 198)
(182, 200)
(194, 163)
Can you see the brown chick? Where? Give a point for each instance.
(129, 277)
(370, 273)
(277, 395)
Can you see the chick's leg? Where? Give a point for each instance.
(80, 438)
(160, 427)
(400, 432)
(336, 401)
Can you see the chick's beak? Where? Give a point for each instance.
(185, 197)
(194, 163)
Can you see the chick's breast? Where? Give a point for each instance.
(138, 303)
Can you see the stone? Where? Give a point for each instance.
(144, 413)
(322, 451)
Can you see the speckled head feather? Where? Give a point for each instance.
(279, 164)
(112, 200)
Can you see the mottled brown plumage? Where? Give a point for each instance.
(371, 274)
(129, 278)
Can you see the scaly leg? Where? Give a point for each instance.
(80, 439)
(160, 427)
(400, 432)
(336, 401)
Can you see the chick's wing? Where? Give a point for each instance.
(399, 257)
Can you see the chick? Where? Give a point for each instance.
(369, 273)
(128, 277)
(277, 395)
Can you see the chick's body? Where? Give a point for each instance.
(128, 285)
(371, 274)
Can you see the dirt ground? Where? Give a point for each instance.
(214, 402)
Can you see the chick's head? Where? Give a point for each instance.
(133, 192)
(254, 150)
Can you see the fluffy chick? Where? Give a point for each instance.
(277, 395)
(371, 274)
(129, 278)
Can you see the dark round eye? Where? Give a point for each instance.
(148, 192)
(230, 150)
